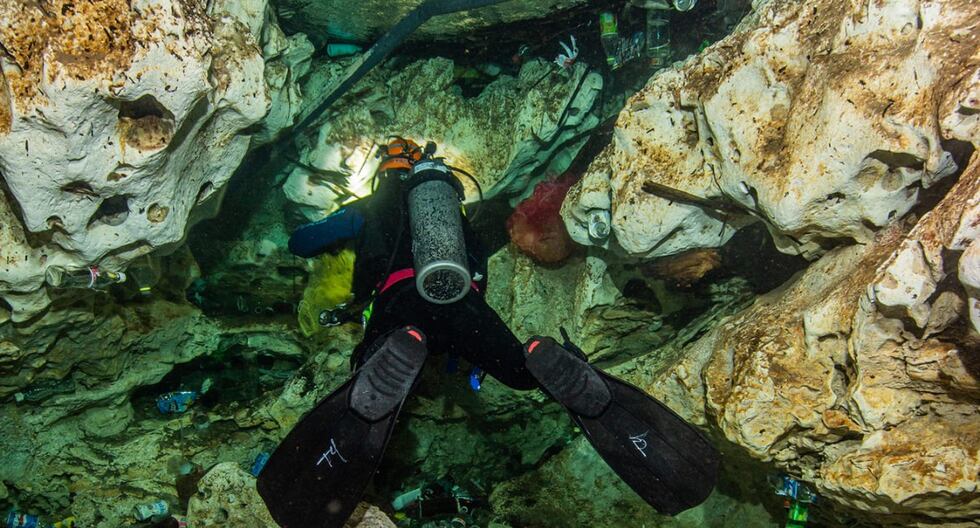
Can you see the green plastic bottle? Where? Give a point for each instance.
(609, 32)
(797, 514)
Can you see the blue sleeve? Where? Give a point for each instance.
(315, 238)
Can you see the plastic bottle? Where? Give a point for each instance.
(609, 33)
(175, 402)
(16, 519)
(684, 5)
(259, 463)
(145, 272)
(44, 389)
(658, 37)
(91, 277)
(153, 511)
(339, 49)
(405, 499)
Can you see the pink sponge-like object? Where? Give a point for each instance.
(536, 226)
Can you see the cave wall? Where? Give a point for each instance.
(837, 124)
(121, 124)
(822, 118)
(828, 120)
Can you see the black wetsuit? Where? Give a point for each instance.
(468, 328)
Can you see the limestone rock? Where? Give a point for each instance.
(856, 376)
(507, 137)
(347, 20)
(819, 117)
(227, 497)
(119, 120)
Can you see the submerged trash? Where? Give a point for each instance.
(440, 499)
(145, 273)
(536, 226)
(476, 378)
(327, 292)
(566, 60)
(600, 222)
(658, 37)
(338, 49)
(259, 463)
(92, 278)
(44, 389)
(175, 402)
(799, 497)
(17, 519)
(521, 56)
(153, 511)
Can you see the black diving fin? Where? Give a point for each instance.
(666, 461)
(317, 475)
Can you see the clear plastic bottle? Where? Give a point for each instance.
(658, 37)
(684, 5)
(92, 278)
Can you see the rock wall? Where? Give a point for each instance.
(860, 375)
(829, 121)
(121, 122)
(516, 131)
(826, 119)
(346, 20)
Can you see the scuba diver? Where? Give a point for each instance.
(424, 271)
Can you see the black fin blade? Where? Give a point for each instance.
(666, 460)
(317, 475)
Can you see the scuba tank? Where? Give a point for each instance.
(442, 275)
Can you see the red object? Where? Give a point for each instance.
(536, 226)
(533, 346)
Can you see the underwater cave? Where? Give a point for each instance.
(489, 263)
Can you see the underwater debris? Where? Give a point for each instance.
(154, 511)
(687, 268)
(339, 49)
(438, 503)
(327, 293)
(17, 519)
(676, 195)
(536, 227)
(44, 389)
(259, 463)
(175, 402)
(609, 36)
(600, 224)
(798, 496)
(566, 60)
(92, 278)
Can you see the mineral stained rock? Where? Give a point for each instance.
(825, 118)
(860, 375)
(119, 120)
